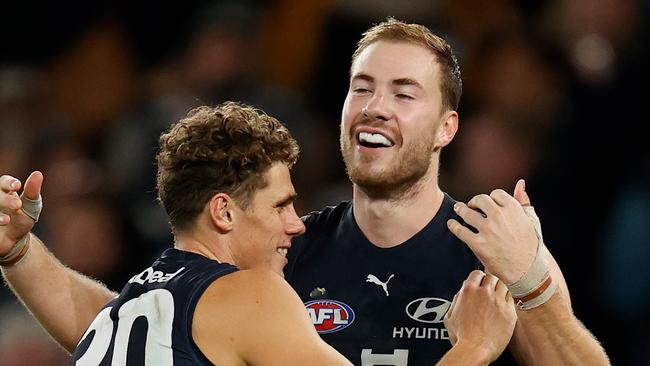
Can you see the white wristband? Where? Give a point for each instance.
(536, 286)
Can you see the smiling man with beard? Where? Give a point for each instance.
(404, 232)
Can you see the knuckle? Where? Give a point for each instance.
(477, 272)
(497, 192)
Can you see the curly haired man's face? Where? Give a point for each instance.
(391, 113)
(265, 228)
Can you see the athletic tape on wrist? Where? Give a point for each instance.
(533, 278)
(32, 208)
(538, 270)
(532, 216)
(541, 296)
(16, 253)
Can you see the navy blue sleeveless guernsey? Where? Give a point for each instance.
(150, 322)
(379, 306)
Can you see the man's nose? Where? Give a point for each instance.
(295, 226)
(378, 108)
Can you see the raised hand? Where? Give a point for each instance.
(14, 223)
(505, 240)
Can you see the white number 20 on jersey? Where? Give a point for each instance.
(157, 306)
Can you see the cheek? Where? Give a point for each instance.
(352, 106)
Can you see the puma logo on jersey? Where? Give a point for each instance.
(384, 285)
(151, 276)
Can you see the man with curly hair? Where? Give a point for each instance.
(218, 296)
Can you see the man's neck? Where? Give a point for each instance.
(389, 222)
(204, 243)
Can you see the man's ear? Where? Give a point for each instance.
(221, 208)
(446, 130)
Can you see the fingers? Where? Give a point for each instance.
(468, 215)
(461, 232)
(450, 311)
(475, 278)
(490, 281)
(33, 185)
(484, 203)
(502, 290)
(502, 198)
(520, 193)
(10, 201)
(509, 298)
(9, 184)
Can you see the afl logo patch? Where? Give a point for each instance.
(329, 316)
(428, 309)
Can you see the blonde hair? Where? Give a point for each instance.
(397, 31)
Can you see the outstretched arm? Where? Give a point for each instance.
(64, 301)
(508, 245)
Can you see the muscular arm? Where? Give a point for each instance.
(551, 334)
(506, 243)
(253, 317)
(64, 301)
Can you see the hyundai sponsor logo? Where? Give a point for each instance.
(428, 309)
(329, 316)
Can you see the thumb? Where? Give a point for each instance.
(520, 193)
(33, 186)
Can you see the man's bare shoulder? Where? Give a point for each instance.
(240, 311)
(248, 288)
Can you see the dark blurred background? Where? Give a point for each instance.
(553, 92)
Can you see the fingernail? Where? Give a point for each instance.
(456, 206)
(14, 184)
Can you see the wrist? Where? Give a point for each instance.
(16, 253)
(474, 354)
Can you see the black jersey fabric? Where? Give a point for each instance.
(379, 306)
(150, 322)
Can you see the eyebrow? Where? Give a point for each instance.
(288, 200)
(398, 82)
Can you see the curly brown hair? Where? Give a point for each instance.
(227, 149)
(394, 30)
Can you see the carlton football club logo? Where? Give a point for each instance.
(329, 316)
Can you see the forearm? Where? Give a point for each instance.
(551, 335)
(464, 355)
(64, 301)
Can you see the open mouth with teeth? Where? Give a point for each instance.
(373, 140)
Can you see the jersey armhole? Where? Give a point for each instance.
(194, 297)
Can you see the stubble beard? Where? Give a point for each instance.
(397, 181)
